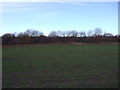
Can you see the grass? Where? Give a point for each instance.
(61, 66)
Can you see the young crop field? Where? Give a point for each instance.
(60, 66)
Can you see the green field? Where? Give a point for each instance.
(60, 66)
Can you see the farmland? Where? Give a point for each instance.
(60, 66)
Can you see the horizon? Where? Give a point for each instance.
(59, 16)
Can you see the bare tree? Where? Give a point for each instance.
(28, 32)
(63, 33)
(36, 33)
(59, 33)
(31, 32)
(90, 33)
(82, 34)
(21, 34)
(97, 32)
(74, 33)
(107, 34)
(52, 34)
(68, 33)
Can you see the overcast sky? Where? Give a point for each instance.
(54, 16)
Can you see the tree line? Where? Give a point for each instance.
(31, 36)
